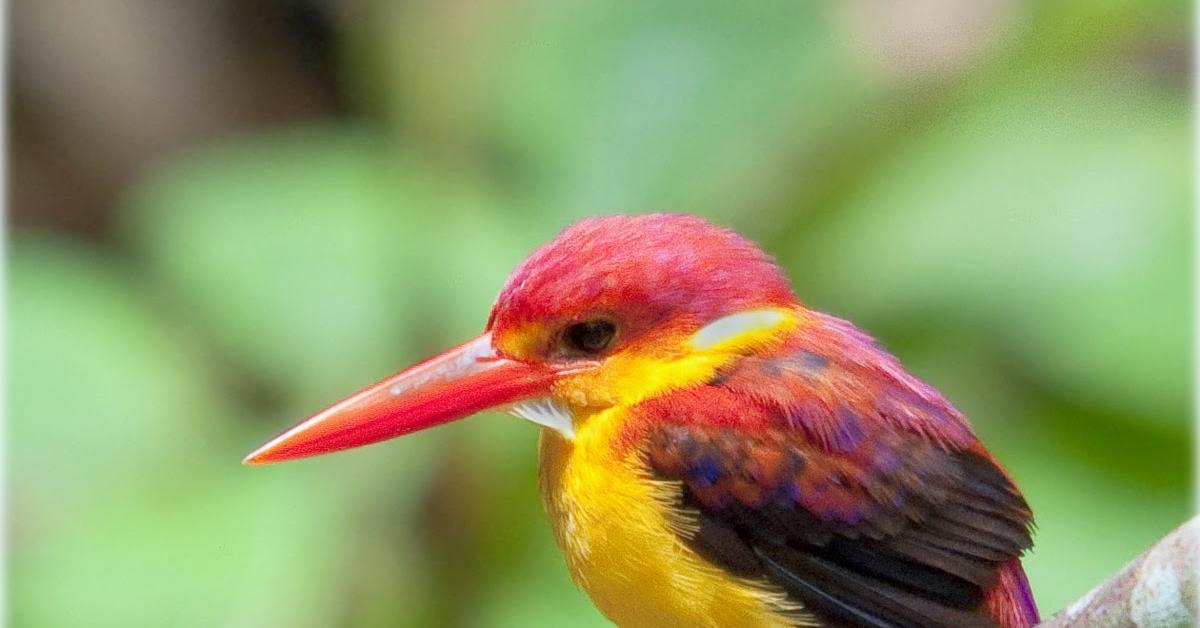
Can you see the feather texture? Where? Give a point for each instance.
(828, 470)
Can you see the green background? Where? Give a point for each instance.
(1005, 204)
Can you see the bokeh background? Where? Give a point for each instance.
(226, 214)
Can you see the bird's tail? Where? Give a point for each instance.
(1010, 601)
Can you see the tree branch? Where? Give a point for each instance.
(1155, 590)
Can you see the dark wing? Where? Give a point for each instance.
(795, 475)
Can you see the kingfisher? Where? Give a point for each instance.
(712, 452)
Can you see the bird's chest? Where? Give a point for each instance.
(620, 537)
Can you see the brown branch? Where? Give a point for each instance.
(1155, 590)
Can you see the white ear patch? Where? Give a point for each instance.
(547, 412)
(735, 325)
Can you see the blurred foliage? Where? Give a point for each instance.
(1014, 223)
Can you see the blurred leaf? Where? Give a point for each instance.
(102, 386)
(472, 246)
(317, 260)
(289, 249)
(543, 595)
(1057, 212)
(130, 505)
(216, 550)
(125, 509)
(608, 107)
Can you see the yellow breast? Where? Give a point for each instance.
(619, 534)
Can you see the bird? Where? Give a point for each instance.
(713, 452)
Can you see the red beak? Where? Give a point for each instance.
(458, 383)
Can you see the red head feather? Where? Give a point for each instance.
(658, 265)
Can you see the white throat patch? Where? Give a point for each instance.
(548, 412)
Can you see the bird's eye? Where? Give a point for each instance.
(590, 337)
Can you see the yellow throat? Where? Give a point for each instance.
(619, 529)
